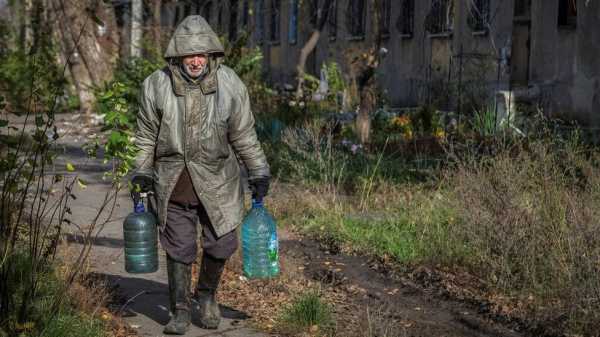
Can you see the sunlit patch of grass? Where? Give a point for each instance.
(308, 311)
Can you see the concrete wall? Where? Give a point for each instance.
(563, 61)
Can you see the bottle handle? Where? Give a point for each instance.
(140, 207)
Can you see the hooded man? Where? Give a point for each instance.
(194, 118)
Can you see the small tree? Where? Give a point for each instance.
(363, 67)
(311, 44)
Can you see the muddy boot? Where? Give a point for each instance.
(208, 282)
(179, 295)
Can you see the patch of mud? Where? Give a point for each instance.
(371, 299)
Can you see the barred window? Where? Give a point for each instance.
(406, 20)
(177, 16)
(260, 21)
(206, 10)
(293, 23)
(480, 15)
(332, 19)
(440, 19)
(245, 13)
(355, 18)
(187, 10)
(386, 17)
(522, 8)
(233, 19)
(220, 19)
(313, 8)
(567, 13)
(275, 21)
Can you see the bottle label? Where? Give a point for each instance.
(273, 247)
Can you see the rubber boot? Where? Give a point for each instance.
(179, 275)
(209, 276)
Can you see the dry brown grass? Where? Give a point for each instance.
(530, 218)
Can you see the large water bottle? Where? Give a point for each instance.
(141, 247)
(260, 248)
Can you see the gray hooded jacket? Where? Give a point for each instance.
(199, 127)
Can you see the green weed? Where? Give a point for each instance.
(307, 311)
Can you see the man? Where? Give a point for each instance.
(194, 118)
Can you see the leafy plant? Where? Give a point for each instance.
(307, 311)
(119, 122)
(484, 121)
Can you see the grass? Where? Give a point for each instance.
(407, 229)
(521, 216)
(307, 312)
(70, 319)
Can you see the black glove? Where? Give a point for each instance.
(140, 184)
(259, 187)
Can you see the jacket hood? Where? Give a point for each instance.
(193, 36)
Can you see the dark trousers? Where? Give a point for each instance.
(179, 238)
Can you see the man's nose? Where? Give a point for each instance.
(197, 61)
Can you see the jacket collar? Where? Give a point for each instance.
(208, 84)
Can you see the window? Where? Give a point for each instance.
(522, 8)
(385, 18)
(313, 9)
(233, 19)
(406, 20)
(480, 15)
(275, 18)
(260, 21)
(355, 18)
(177, 15)
(293, 23)
(332, 20)
(567, 13)
(220, 19)
(440, 20)
(206, 10)
(187, 10)
(245, 13)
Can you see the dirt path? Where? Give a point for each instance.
(367, 302)
(395, 306)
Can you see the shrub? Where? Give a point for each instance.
(530, 215)
(42, 317)
(33, 79)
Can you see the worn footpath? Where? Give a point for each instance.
(365, 301)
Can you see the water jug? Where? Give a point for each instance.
(260, 248)
(139, 233)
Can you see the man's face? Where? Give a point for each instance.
(194, 64)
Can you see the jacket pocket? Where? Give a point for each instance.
(215, 147)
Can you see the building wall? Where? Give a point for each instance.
(563, 67)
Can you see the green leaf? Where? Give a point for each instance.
(70, 167)
(39, 121)
(81, 184)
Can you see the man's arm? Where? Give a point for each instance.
(242, 137)
(148, 123)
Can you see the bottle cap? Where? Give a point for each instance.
(139, 207)
(257, 203)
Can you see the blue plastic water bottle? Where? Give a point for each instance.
(141, 247)
(260, 248)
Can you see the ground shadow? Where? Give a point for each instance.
(98, 241)
(139, 296)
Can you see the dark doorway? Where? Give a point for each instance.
(521, 44)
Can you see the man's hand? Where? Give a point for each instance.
(141, 184)
(259, 187)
